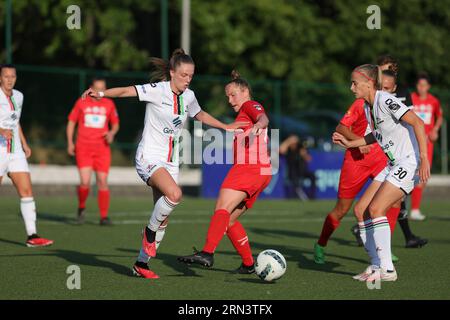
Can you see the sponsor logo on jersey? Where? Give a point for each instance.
(167, 104)
(394, 107)
(168, 130)
(257, 107)
(14, 116)
(143, 88)
(387, 145)
(391, 105)
(177, 121)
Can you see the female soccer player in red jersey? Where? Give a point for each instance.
(169, 104)
(249, 176)
(98, 123)
(428, 108)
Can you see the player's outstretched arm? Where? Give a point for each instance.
(120, 92)
(419, 130)
(261, 123)
(342, 141)
(349, 135)
(208, 119)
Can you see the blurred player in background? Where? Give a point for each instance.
(297, 159)
(169, 102)
(14, 151)
(402, 137)
(428, 108)
(247, 178)
(98, 123)
(387, 62)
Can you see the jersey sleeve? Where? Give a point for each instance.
(114, 116)
(253, 110)
(353, 114)
(437, 109)
(193, 107)
(149, 92)
(394, 106)
(75, 113)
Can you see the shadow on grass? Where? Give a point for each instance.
(77, 258)
(46, 216)
(299, 234)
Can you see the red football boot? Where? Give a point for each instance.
(36, 241)
(144, 272)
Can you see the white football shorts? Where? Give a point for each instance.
(12, 162)
(403, 174)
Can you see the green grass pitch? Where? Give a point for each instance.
(106, 254)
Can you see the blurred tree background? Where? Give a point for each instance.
(297, 52)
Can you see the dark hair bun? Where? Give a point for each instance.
(178, 52)
(235, 75)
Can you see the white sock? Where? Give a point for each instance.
(163, 208)
(143, 257)
(28, 210)
(382, 236)
(160, 235)
(366, 232)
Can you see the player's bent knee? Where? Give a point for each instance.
(374, 210)
(175, 195)
(358, 212)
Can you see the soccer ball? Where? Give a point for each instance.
(270, 265)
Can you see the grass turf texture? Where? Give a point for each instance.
(106, 254)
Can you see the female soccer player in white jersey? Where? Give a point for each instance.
(401, 135)
(14, 152)
(169, 103)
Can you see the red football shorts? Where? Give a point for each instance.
(354, 177)
(97, 157)
(247, 178)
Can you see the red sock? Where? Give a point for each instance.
(236, 233)
(392, 215)
(103, 202)
(416, 198)
(217, 228)
(83, 193)
(329, 225)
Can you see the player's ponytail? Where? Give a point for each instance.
(162, 67)
(379, 79)
(372, 73)
(239, 81)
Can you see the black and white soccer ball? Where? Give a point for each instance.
(270, 265)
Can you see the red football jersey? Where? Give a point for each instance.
(248, 148)
(355, 119)
(93, 117)
(428, 110)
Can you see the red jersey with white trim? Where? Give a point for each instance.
(355, 119)
(93, 117)
(249, 148)
(428, 109)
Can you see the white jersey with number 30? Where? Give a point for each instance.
(165, 116)
(396, 138)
